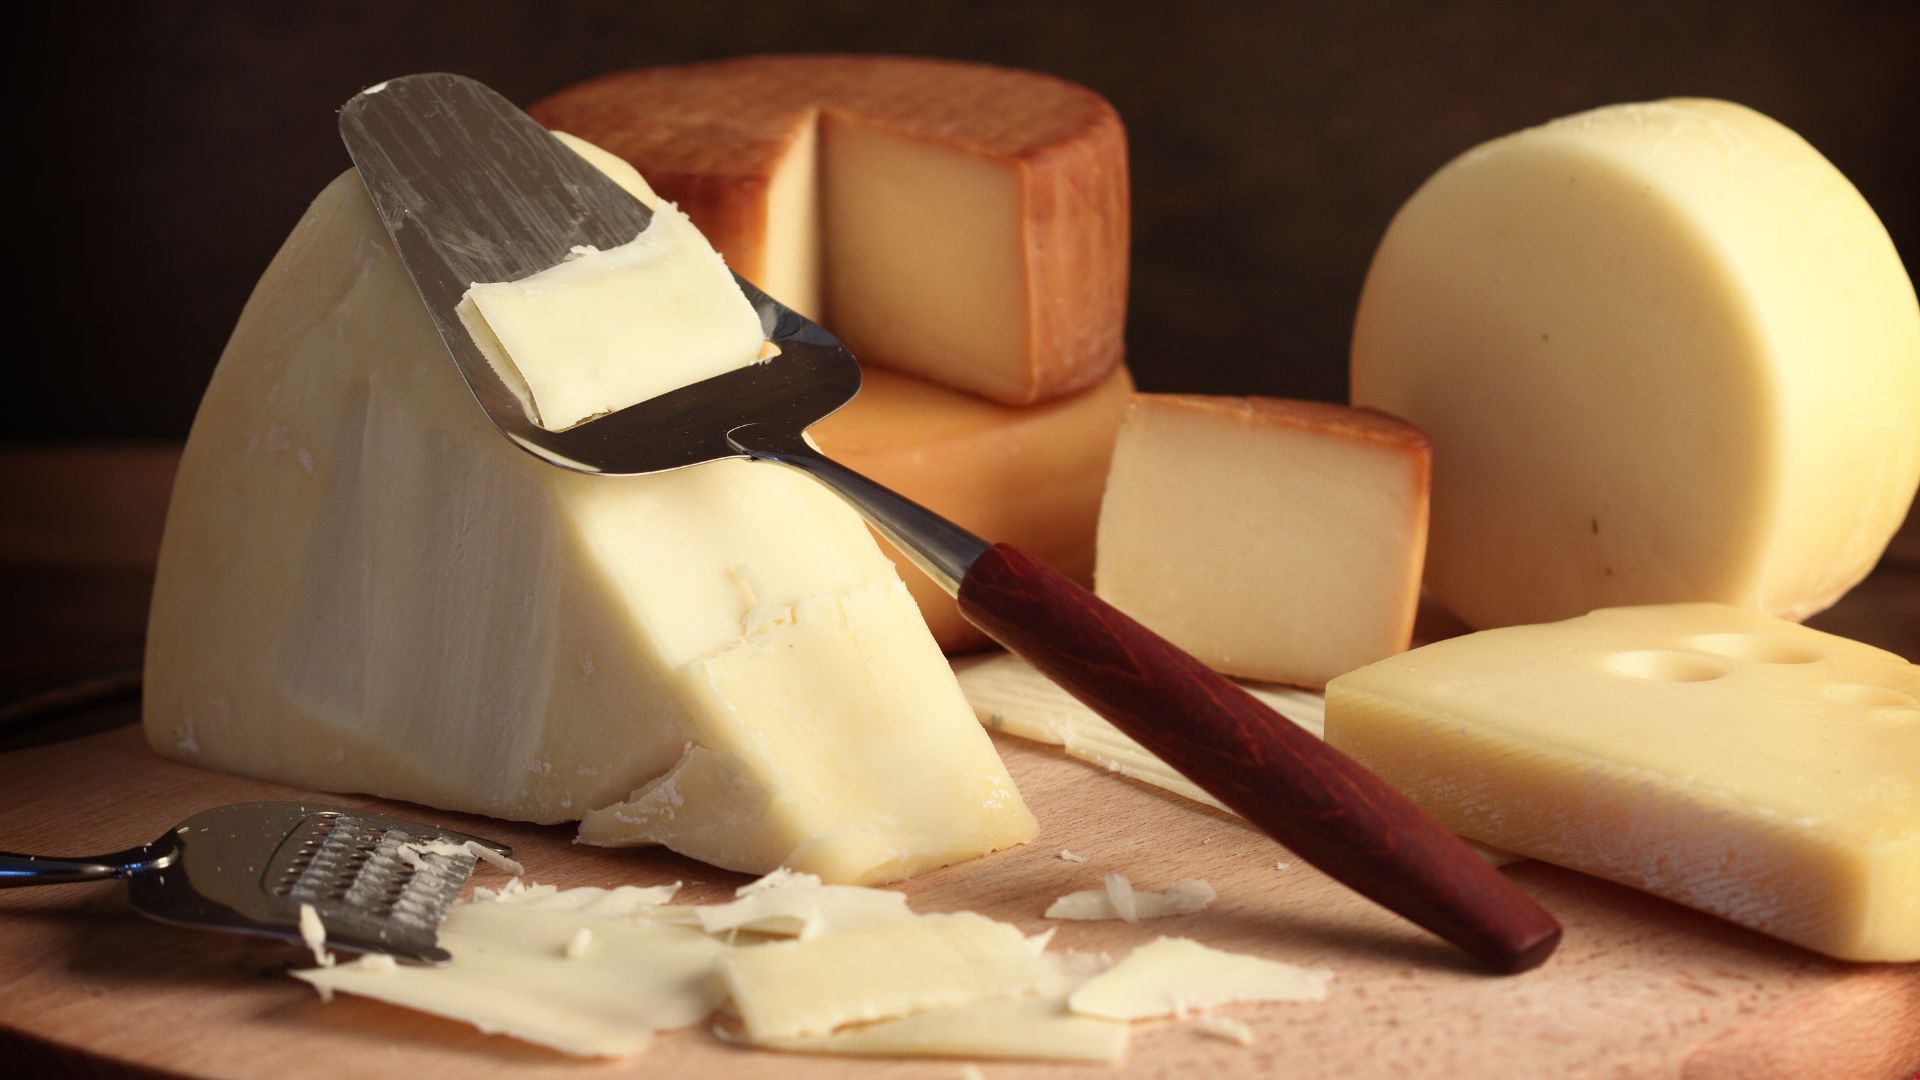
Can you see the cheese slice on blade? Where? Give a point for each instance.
(1272, 539)
(607, 329)
(363, 587)
(1736, 763)
(1665, 352)
(1030, 477)
(793, 989)
(960, 222)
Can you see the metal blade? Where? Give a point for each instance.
(473, 190)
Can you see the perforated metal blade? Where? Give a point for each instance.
(473, 190)
(249, 868)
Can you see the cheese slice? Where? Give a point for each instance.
(815, 175)
(1170, 976)
(1030, 477)
(1739, 764)
(1118, 899)
(799, 905)
(607, 329)
(1036, 1028)
(1665, 352)
(1276, 540)
(521, 970)
(793, 989)
(364, 588)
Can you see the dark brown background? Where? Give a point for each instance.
(169, 147)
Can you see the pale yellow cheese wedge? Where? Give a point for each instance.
(1736, 763)
(1665, 353)
(363, 587)
(1272, 539)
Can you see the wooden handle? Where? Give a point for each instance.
(1320, 803)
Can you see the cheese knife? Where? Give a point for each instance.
(471, 190)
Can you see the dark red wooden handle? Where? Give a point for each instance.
(1324, 806)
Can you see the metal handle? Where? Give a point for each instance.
(18, 871)
(937, 546)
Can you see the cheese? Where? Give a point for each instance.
(798, 905)
(1742, 765)
(1030, 477)
(1665, 353)
(1118, 899)
(1169, 976)
(363, 587)
(1276, 540)
(607, 329)
(1008, 694)
(814, 176)
(516, 971)
(1224, 1028)
(1031, 1028)
(793, 989)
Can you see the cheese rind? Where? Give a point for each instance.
(1665, 351)
(1739, 764)
(1025, 299)
(1272, 539)
(363, 587)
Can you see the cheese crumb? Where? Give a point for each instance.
(1120, 895)
(1071, 857)
(314, 933)
(582, 941)
(1225, 1027)
(1118, 899)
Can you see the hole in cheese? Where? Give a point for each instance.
(1666, 666)
(1758, 648)
(1867, 694)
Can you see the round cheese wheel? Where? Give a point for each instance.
(1031, 477)
(1665, 352)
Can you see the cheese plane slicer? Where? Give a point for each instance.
(376, 884)
(472, 190)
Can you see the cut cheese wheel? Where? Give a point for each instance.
(363, 587)
(964, 223)
(1275, 540)
(1665, 352)
(1740, 764)
(1030, 477)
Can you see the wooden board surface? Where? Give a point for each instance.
(1640, 988)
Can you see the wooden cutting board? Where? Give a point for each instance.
(1641, 987)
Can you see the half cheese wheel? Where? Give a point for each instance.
(1665, 352)
(960, 222)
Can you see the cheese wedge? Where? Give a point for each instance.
(363, 587)
(960, 222)
(1736, 763)
(1665, 352)
(1030, 477)
(1276, 540)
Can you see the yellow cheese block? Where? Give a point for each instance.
(1275, 540)
(363, 587)
(1030, 476)
(1736, 763)
(1665, 352)
(964, 223)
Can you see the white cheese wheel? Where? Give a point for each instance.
(1665, 352)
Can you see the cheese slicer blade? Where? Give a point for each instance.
(377, 884)
(473, 190)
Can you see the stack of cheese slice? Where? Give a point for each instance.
(963, 225)
(363, 587)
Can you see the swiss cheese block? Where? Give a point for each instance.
(964, 223)
(1272, 539)
(363, 587)
(1665, 352)
(1736, 763)
(1030, 477)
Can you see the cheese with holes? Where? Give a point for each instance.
(1665, 352)
(1272, 539)
(961, 222)
(607, 329)
(1736, 763)
(363, 587)
(1030, 477)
